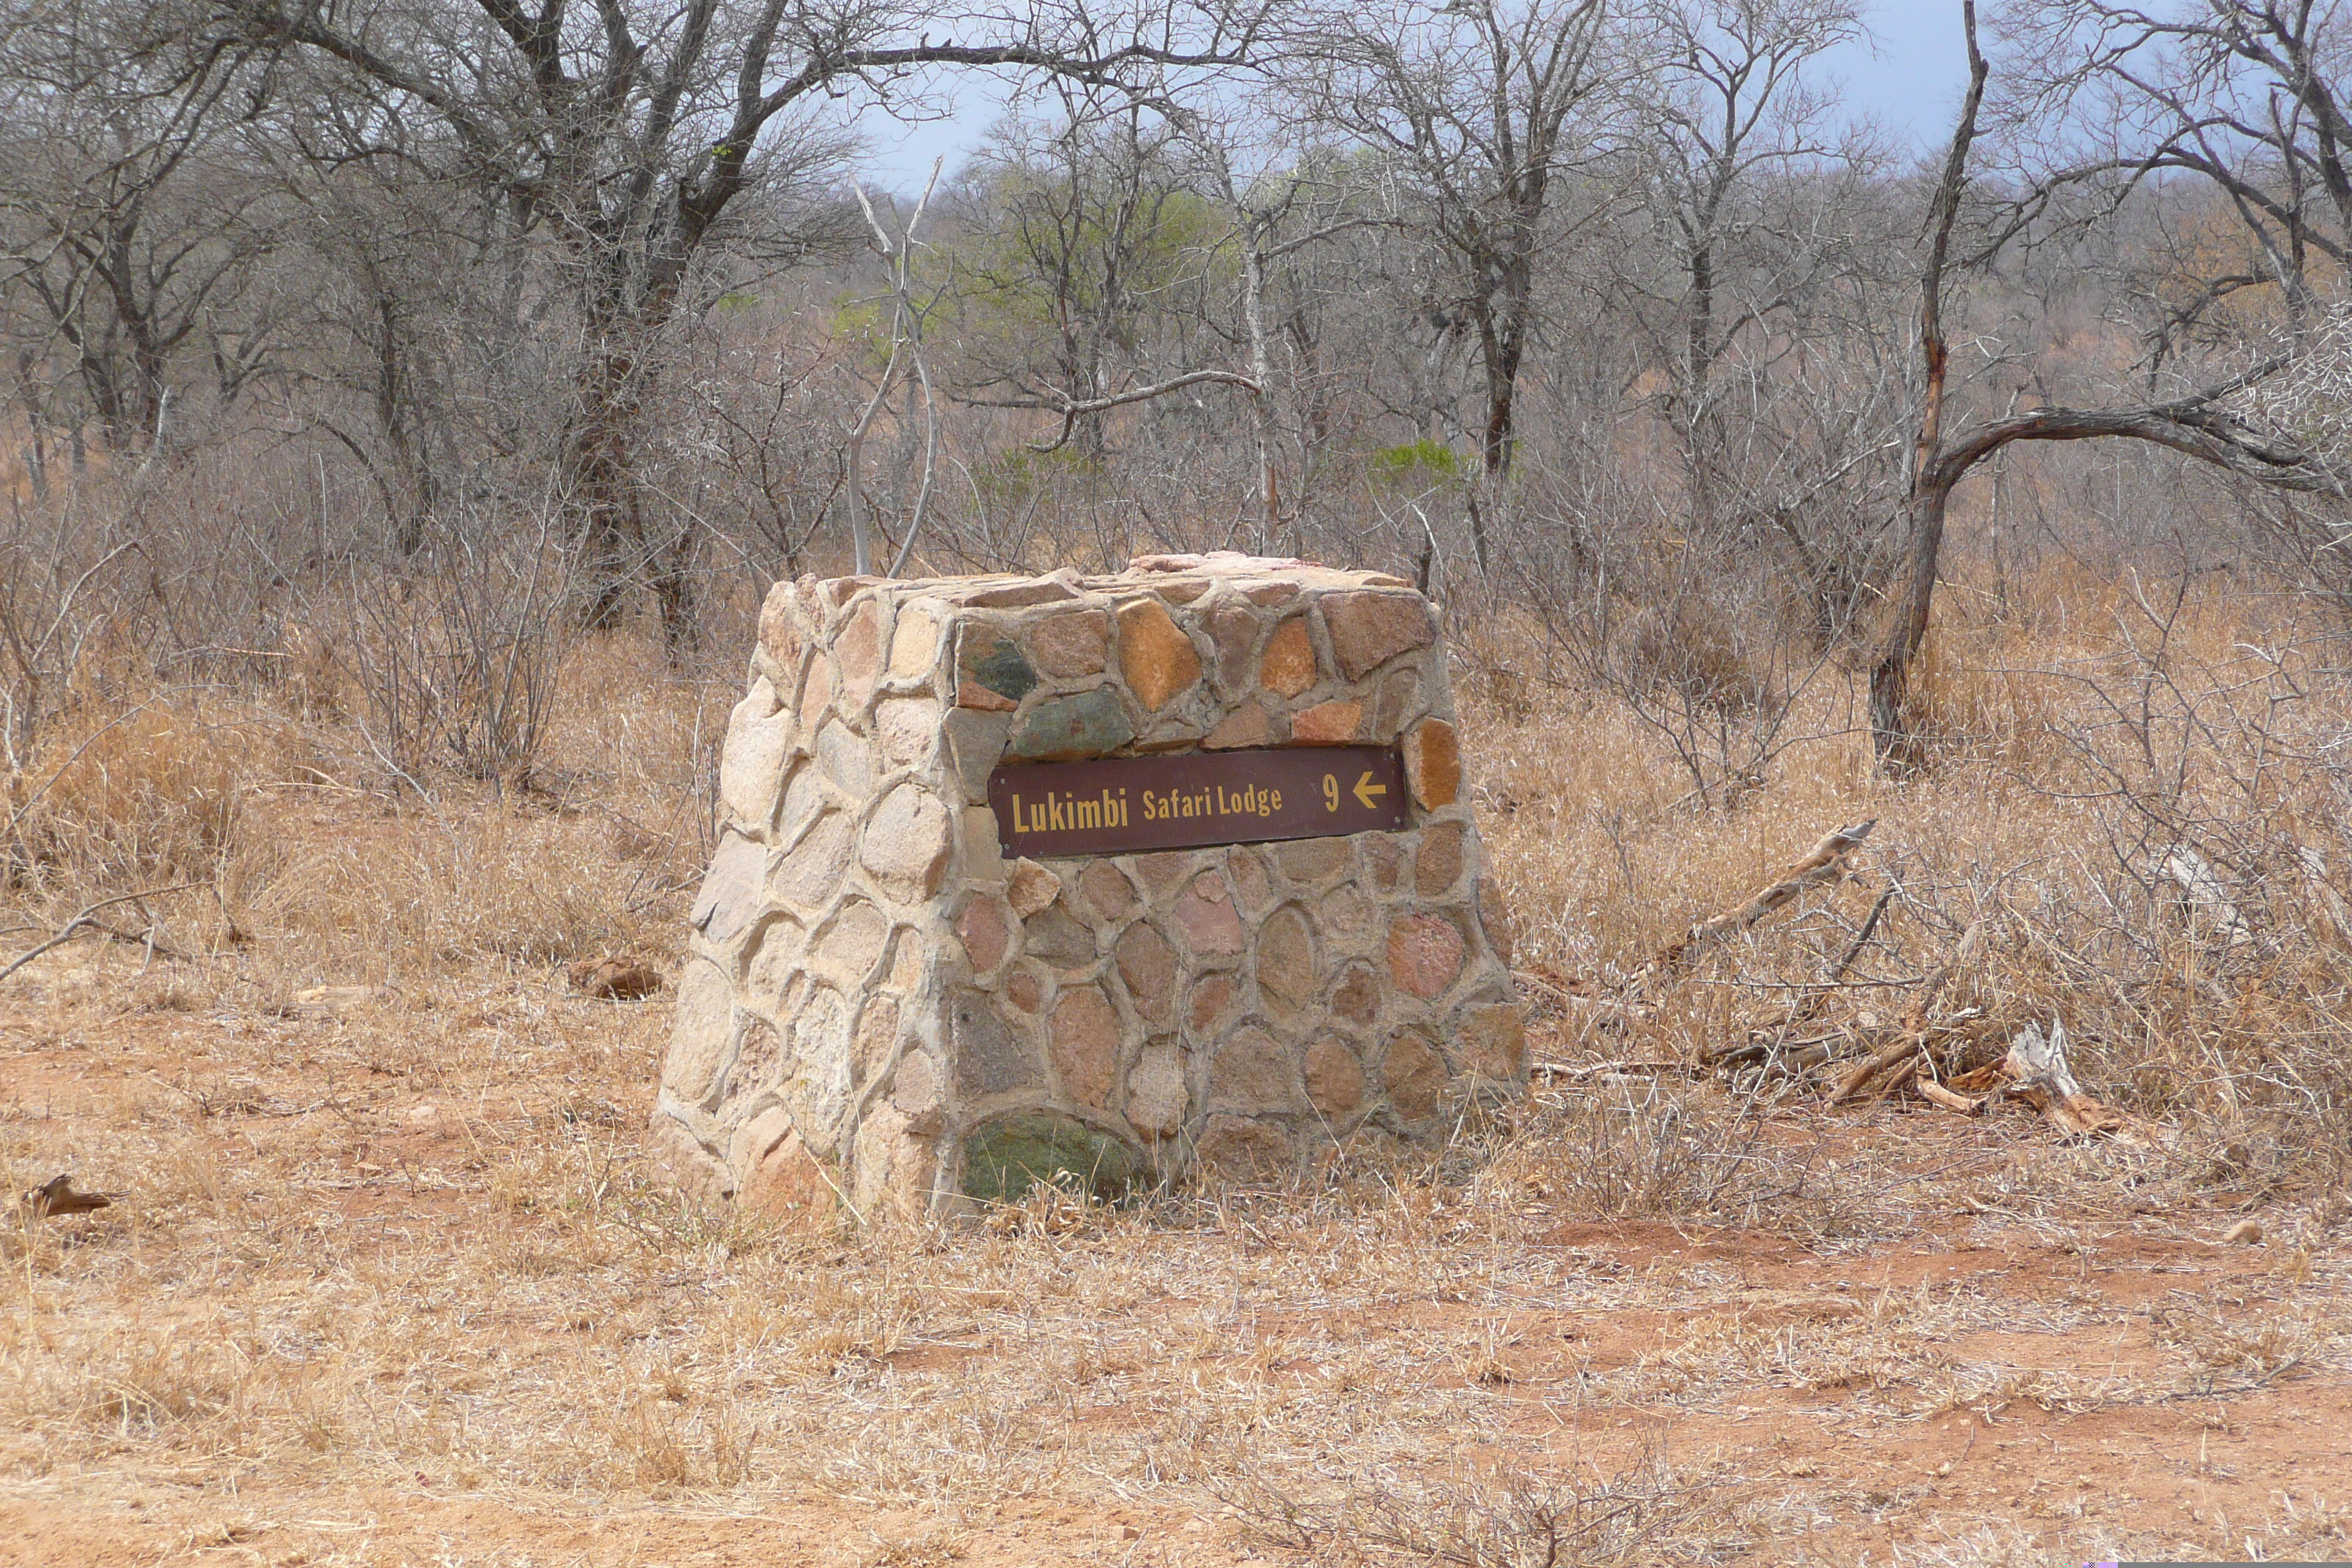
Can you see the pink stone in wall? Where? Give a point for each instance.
(811, 875)
(1433, 763)
(1368, 629)
(1052, 587)
(816, 693)
(1439, 861)
(1206, 916)
(1253, 889)
(1335, 1080)
(1286, 962)
(759, 1061)
(1021, 990)
(1031, 888)
(1287, 666)
(1414, 1074)
(780, 634)
(1312, 859)
(1162, 872)
(1327, 724)
(1357, 999)
(1236, 1148)
(1347, 914)
(915, 1091)
(1233, 630)
(1106, 892)
(1070, 644)
(972, 694)
(857, 649)
(839, 591)
(1086, 1044)
(1250, 1073)
(1148, 964)
(914, 644)
(852, 945)
(1219, 563)
(906, 842)
(787, 1182)
(878, 1032)
(985, 932)
(1246, 726)
(1209, 1001)
(1424, 954)
(1156, 1096)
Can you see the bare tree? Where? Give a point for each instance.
(2211, 422)
(132, 216)
(1477, 108)
(1086, 283)
(631, 136)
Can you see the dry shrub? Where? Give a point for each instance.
(664, 1447)
(1628, 1154)
(1694, 649)
(1648, 1511)
(1975, 696)
(375, 904)
(152, 792)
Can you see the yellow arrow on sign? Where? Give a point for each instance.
(1366, 789)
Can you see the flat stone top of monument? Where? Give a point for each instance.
(1169, 576)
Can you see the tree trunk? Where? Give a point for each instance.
(598, 465)
(1262, 371)
(1906, 630)
(1932, 474)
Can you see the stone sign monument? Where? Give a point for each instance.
(1119, 876)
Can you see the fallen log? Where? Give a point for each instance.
(1824, 863)
(1870, 1067)
(1921, 1022)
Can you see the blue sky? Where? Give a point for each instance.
(1908, 76)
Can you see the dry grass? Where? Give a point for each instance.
(405, 1246)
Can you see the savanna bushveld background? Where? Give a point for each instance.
(407, 403)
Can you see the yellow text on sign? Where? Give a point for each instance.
(1366, 791)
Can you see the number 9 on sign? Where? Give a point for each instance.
(1331, 793)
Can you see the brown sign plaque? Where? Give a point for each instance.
(1124, 805)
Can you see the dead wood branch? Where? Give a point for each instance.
(1921, 1024)
(1936, 1093)
(2035, 1071)
(88, 920)
(1878, 1061)
(1825, 863)
(56, 1196)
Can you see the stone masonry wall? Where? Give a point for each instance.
(879, 1007)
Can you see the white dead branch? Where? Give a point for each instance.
(2036, 1070)
(2202, 896)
